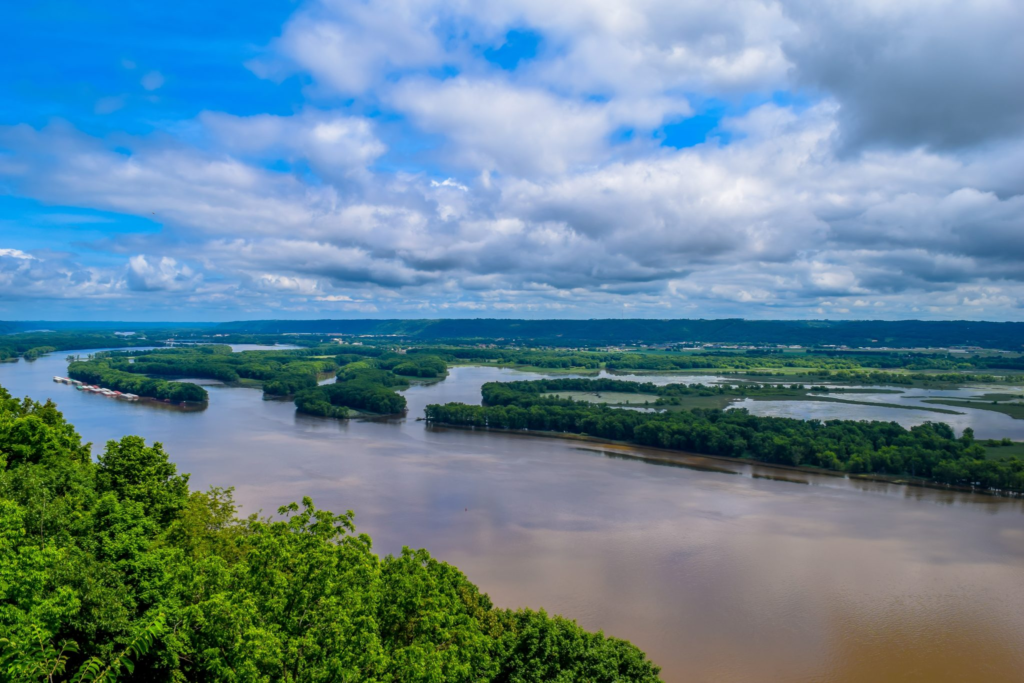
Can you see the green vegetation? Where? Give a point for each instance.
(114, 569)
(1004, 448)
(1014, 410)
(420, 365)
(675, 396)
(907, 369)
(34, 353)
(31, 345)
(101, 371)
(854, 333)
(282, 373)
(930, 451)
(360, 386)
(612, 398)
(369, 378)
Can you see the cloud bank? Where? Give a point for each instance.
(863, 159)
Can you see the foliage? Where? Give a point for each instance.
(31, 345)
(420, 365)
(101, 372)
(930, 450)
(762, 363)
(854, 333)
(360, 385)
(114, 570)
(283, 373)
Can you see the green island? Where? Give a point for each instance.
(31, 345)
(114, 568)
(618, 393)
(367, 377)
(907, 369)
(1007, 404)
(928, 452)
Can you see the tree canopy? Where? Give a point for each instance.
(929, 451)
(115, 570)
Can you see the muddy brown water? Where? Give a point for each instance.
(721, 572)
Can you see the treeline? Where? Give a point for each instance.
(369, 384)
(116, 566)
(930, 361)
(282, 373)
(554, 359)
(531, 392)
(99, 371)
(760, 363)
(359, 386)
(661, 362)
(423, 366)
(31, 345)
(930, 451)
(897, 378)
(34, 353)
(854, 333)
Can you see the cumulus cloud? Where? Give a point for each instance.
(944, 73)
(349, 45)
(868, 160)
(154, 80)
(333, 144)
(160, 275)
(496, 126)
(51, 276)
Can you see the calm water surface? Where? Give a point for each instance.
(721, 572)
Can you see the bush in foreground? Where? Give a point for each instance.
(116, 570)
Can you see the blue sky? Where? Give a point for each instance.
(512, 158)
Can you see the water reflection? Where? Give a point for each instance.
(718, 578)
(986, 424)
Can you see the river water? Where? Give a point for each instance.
(720, 571)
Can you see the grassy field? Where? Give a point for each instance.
(1014, 410)
(720, 401)
(797, 396)
(1001, 452)
(610, 397)
(526, 368)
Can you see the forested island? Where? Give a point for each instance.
(367, 377)
(115, 569)
(928, 452)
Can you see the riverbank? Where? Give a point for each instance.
(666, 455)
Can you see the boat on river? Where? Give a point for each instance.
(103, 391)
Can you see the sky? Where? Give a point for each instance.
(202, 161)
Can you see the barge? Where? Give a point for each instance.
(103, 391)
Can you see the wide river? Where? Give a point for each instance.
(719, 571)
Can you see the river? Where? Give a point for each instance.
(720, 571)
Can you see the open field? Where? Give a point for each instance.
(831, 399)
(722, 401)
(1016, 450)
(1014, 410)
(609, 397)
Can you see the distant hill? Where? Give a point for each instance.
(873, 333)
(14, 326)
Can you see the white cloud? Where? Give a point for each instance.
(417, 176)
(153, 80)
(163, 274)
(16, 254)
(348, 45)
(333, 144)
(493, 125)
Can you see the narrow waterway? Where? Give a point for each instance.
(719, 571)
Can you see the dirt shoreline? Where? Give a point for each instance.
(656, 454)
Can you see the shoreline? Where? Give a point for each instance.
(668, 455)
